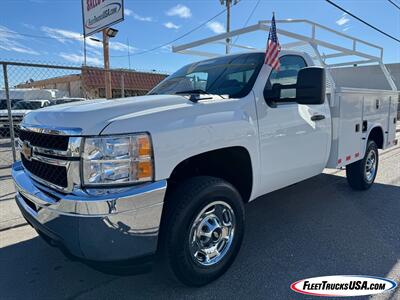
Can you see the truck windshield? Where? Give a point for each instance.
(3, 103)
(232, 75)
(28, 105)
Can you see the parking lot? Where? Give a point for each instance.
(314, 228)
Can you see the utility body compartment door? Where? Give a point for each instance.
(355, 114)
(350, 128)
(392, 120)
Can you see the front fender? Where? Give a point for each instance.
(184, 132)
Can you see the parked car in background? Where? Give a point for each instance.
(4, 122)
(398, 109)
(66, 100)
(18, 111)
(32, 94)
(3, 103)
(27, 105)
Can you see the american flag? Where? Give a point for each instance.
(273, 47)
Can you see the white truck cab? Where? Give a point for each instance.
(19, 109)
(169, 173)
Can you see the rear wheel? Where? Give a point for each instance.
(361, 174)
(204, 225)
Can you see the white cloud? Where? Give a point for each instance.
(171, 25)
(78, 59)
(216, 27)
(117, 46)
(130, 12)
(29, 26)
(343, 20)
(63, 36)
(66, 36)
(180, 10)
(93, 51)
(11, 41)
(167, 47)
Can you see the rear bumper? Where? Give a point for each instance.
(110, 227)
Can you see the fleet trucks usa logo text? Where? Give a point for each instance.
(104, 13)
(343, 286)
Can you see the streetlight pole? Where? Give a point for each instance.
(228, 4)
(228, 23)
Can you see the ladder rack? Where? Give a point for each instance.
(312, 39)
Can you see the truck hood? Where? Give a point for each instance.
(91, 116)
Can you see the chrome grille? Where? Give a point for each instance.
(4, 120)
(56, 142)
(51, 157)
(51, 173)
(16, 120)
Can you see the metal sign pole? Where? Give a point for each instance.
(9, 112)
(106, 55)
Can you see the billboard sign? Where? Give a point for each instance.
(99, 14)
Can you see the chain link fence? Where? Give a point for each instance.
(25, 87)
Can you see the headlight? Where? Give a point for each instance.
(117, 159)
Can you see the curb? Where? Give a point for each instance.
(13, 226)
(13, 223)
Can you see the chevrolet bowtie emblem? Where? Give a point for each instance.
(26, 150)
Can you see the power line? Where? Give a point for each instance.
(248, 19)
(178, 38)
(139, 53)
(394, 4)
(361, 20)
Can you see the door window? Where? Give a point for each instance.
(290, 66)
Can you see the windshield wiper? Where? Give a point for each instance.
(194, 91)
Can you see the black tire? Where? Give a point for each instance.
(183, 206)
(356, 173)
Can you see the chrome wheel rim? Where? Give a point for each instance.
(212, 233)
(370, 166)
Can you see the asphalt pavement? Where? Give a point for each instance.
(314, 228)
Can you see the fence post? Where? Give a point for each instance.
(122, 85)
(10, 119)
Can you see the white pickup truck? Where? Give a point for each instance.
(116, 182)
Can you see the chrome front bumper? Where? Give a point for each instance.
(115, 226)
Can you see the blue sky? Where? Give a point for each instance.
(150, 23)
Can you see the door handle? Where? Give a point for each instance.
(317, 117)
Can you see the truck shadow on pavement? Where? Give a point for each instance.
(315, 228)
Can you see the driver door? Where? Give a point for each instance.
(293, 147)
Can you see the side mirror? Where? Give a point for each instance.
(311, 86)
(309, 89)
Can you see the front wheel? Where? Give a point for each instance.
(361, 174)
(204, 225)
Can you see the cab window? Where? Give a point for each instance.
(290, 66)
